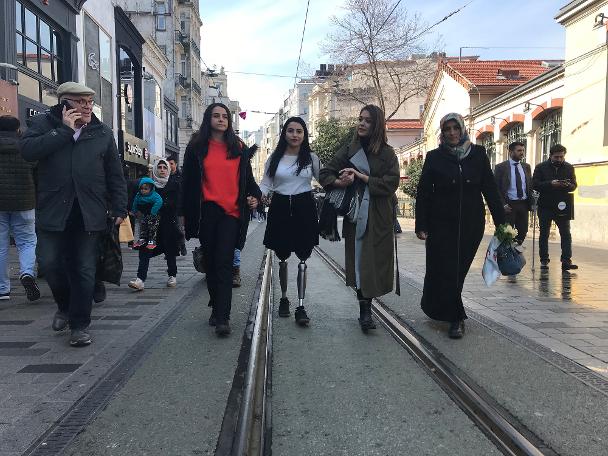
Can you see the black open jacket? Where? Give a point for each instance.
(191, 198)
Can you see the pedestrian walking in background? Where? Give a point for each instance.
(371, 164)
(514, 180)
(555, 180)
(292, 225)
(450, 217)
(176, 175)
(146, 206)
(218, 193)
(168, 235)
(79, 170)
(17, 215)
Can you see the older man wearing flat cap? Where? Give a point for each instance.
(80, 180)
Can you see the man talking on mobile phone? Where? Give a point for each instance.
(555, 180)
(80, 181)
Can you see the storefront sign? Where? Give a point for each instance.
(8, 99)
(135, 149)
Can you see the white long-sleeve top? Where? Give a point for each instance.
(285, 180)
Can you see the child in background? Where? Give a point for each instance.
(146, 204)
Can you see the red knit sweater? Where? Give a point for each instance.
(221, 178)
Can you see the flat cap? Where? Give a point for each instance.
(74, 88)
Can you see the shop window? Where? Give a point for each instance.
(127, 90)
(38, 54)
(98, 69)
(487, 141)
(550, 132)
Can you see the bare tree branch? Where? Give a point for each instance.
(374, 43)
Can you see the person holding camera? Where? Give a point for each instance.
(555, 180)
(80, 183)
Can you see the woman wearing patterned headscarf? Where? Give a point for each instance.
(450, 217)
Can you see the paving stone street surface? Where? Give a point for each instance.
(567, 312)
(536, 345)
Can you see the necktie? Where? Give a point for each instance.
(518, 186)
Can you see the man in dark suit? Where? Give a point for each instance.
(555, 180)
(514, 180)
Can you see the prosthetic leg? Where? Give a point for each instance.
(284, 303)
(300, 314)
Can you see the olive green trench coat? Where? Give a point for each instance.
(377, 251)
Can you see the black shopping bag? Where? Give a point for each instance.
(109, 267)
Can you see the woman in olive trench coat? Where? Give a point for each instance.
(450, 217)
(376, 268)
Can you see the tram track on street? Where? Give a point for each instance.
(246, 426)
(504, 430)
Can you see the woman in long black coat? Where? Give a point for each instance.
(450, 217)
(168, 237)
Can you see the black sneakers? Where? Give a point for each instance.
(301, 317)
(223, 329)
(544, 264)
(31, 288)
(284, 307)
(80, 338)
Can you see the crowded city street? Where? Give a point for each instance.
(303, 228)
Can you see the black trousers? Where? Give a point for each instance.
(218, 236)
(68, 260)
(519, 218)
(545, 217)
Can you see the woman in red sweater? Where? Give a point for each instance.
(218, 193)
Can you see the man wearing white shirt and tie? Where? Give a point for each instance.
(514, 180)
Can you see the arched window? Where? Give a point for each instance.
(515, 133)
(550, 132)
(487, 141)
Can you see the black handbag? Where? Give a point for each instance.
(510, 260)
(345, 201)
(198, 259)
(109, 265)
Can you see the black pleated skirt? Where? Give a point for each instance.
(292, 225)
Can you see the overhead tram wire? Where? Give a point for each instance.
(301, 42)
(442, 20)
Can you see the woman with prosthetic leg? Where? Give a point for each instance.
(292, 225)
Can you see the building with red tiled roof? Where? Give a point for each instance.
(460, 85)
(401, 132)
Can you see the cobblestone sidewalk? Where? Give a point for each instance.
(41, 375)
(566, 312)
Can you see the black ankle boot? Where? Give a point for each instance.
(365, 315)
(456, 329)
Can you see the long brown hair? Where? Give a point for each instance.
(377, 136)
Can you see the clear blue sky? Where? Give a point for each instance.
(263, 36)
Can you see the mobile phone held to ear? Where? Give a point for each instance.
(66, 104)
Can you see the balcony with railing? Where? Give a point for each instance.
(195, 49)
(182, 81)
(196, 87)
(183, 39)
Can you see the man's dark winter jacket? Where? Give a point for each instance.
(88, 169)
(17, 191)
(544, 173)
